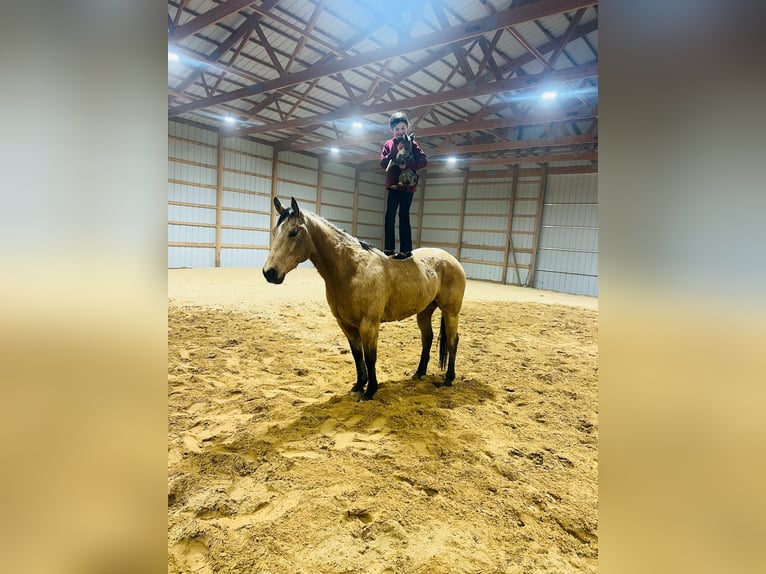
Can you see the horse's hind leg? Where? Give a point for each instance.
(426, 338)
(355, 342)
(451, 339)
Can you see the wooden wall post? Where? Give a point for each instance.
(274, 175)
(218, 199)
(463, 198)
(538, 221)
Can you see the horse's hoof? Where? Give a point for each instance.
(447, 383)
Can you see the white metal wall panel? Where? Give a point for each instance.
(490, 189)
(567, 258)
(525, 206)
(340, 216)
(191, 257)
(193, 133)
(482, 254)
(334, 197)
(191, 194)
(184, 213)
(369, 217)
(300, 192)
(232, 257)
(244, 237)
(441, 221)
(438, 206)
(246, 220)
(290, 159)
(246, 182)
(570, 214)
(244, 160)
(567, 283)
(238, 200)
(437, 189)
(369, 233)
(484, 222)
(342, 183)
(484, 206)
(191, 234)
(483, 272)
(252, 148)
(440, 237)
(191, 174)
(490, 239)
(191, 151)
(582, 188)
(528, 188)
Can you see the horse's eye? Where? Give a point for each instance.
(293, 233)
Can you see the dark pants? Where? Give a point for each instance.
(402, 200)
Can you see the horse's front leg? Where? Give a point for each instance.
(355, 342)
(368, 331)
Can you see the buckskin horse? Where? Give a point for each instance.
(364, 288)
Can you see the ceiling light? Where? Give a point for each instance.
(334, 150)
(550, 95)
(357, 125)
(229, 119)
(173, 57)
(452, 160)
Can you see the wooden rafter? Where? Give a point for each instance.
(223, 10)
(438, 97)
(461, 32)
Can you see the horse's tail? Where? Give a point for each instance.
(442, 346)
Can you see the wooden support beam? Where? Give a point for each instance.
(274, 188)
(538, 221)
(218, 199)
(463, 199)
(355, 217)
(422, 190)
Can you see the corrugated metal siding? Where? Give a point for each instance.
(191, 257)
(473, 227)
(191, 195)
(192, 188)
(567, 257)
(371, 206)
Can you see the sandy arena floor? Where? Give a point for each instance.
(273, 467)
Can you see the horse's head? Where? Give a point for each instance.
(290, 243)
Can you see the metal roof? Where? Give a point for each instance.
(469, 74)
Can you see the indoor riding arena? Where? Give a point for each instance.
(274, 464)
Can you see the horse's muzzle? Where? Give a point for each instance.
(272, 276)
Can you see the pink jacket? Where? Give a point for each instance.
(389, 152)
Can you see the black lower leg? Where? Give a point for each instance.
(372, 379)
(361, 370)
(450, 376)
(424, 356)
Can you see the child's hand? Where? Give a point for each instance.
(400, 146)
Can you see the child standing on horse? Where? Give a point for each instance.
(401, 157)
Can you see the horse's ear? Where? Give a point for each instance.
(294, 205)
(278, 206)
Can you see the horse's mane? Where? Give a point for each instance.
(363, 244)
